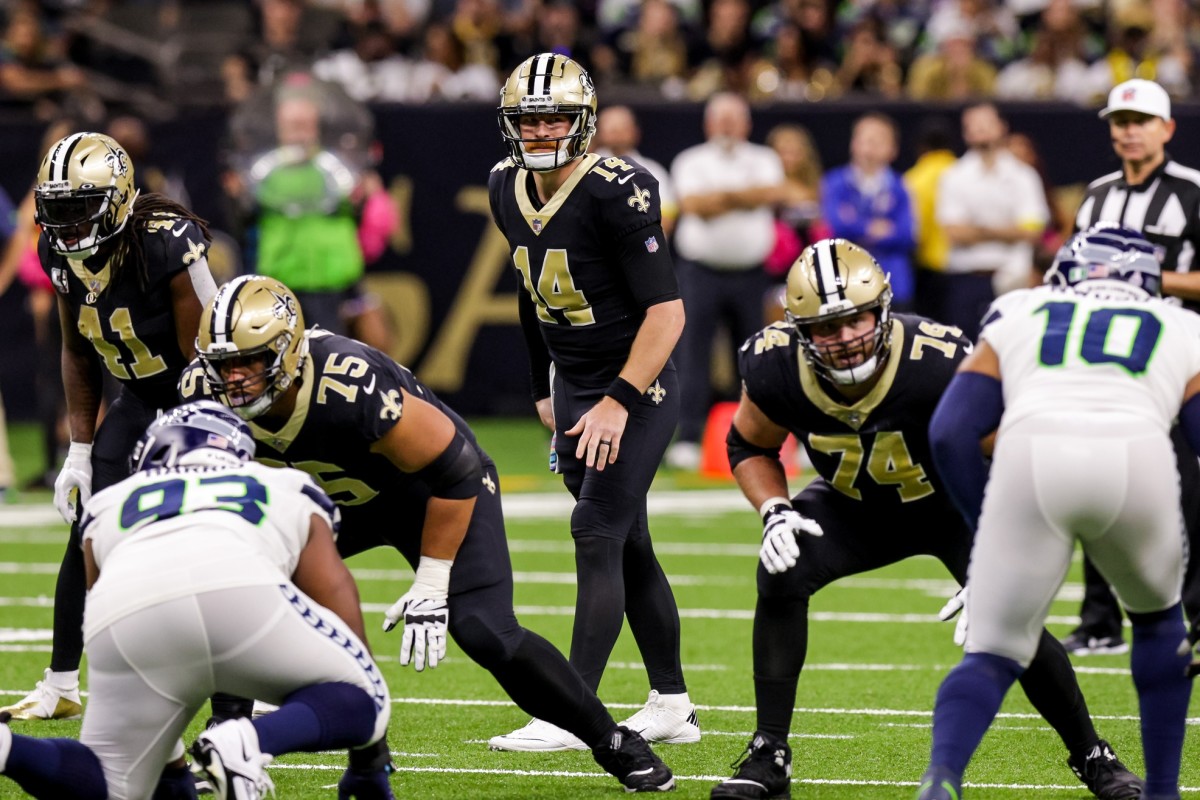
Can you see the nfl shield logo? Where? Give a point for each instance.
(1128, 94)
(652, 245)
(536, 225)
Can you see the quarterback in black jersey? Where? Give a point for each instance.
(406, 472)
(601, 314)
(857, 386)
(131, 278)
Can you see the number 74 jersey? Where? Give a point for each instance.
(1073, 353)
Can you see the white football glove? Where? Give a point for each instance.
(425, 612)
(781, 525)
(76, 474)
(953, 606)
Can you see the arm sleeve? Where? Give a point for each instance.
(649, 270)
(539, 356)
(969, 410)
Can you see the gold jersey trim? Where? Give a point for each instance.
(94, 282)
(856, 414)
(282, 439)
(538, 219)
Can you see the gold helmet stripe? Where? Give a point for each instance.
(829, 280)
(61, 157)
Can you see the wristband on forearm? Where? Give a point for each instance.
(432, 578)
(623, 392)
(772, 505)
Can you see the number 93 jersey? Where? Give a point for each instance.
(571, 258)
(131, 324)
(169, 532)
(875, 450)
(1075, 353)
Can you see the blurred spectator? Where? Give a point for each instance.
(953, 72)
(653, 51)
(443, 74)
(557, 29)
(306, 200)
(724, 56)
(32, 73)
(865, 202)
(1059, 225)
(727, 188)
(618, 134)
(1055, 69)
(935, 154)
(790, 72)
(281, 47)
(993, 209)
(371, 70)
(133, 135)
(1133, 53)
(798, 220)
(900, 21)
(870, 65)
(990, 24)
(612, 15)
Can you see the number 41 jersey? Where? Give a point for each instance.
(1073, 353)
(568, 254)
(875, 450)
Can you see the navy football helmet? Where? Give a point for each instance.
(203, 433)
(1107, 252)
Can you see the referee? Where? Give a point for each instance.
(1154, 195)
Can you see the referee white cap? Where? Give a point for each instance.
(1143, 96)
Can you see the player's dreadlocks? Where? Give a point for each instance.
(146, 209)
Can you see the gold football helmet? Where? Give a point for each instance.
(548, 83)
(251, 317)
(832, 279)
(84, 192)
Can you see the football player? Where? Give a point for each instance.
(132, 277)
(601, 313)
(1083, 376)
(407, 473)
(857, 384)
(207, 571)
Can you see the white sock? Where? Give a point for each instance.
(63, 681)
(676, 702)
(5, 746)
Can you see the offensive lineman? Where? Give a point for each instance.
(601, 314)
(1084, 377)
(208, 572)
(857, 385)
(407, 473)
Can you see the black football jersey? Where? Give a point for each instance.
(566, 256)
(877, 449)
(348, 399)
(132, 326)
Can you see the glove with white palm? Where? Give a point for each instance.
(425, 612)
(950, 610)
(76, 474)
(781, 526)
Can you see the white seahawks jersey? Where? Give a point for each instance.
(1066, 352)
(166, 533)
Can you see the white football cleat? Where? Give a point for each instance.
(669, 719)
(47, 702)
(228, 755)
(538, 736)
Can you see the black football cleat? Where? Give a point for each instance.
(1104, 774)
(764, 771)
(627, 756)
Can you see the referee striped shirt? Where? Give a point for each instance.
(1165, 208)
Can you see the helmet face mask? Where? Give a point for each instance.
(251, 343)
(551, 85)
(834, 285)
(1105, 256)
(84, 193)
(202, 433)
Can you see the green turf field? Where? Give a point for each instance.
(861, 731)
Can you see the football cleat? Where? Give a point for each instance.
(627, 757)
(661, 720)
(1104, 774)
(538, 736)
(764, 771)
(228, 756)
(939, 783)
(47, 702)
(1080, 643)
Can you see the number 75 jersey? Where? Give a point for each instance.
(1066, 352)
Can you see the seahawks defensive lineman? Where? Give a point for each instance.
(857, 385)
(1084, 377)
(407, 473)
(601, 314)
(132, 277)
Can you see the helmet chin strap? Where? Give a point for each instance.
(856, 374)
